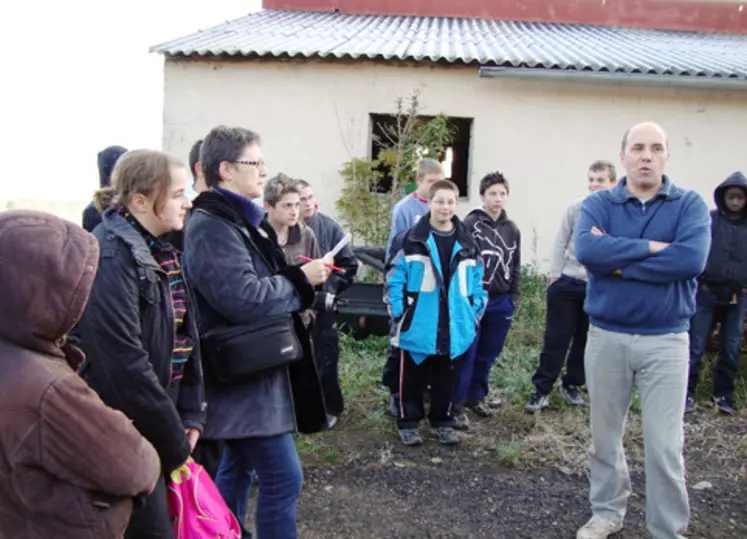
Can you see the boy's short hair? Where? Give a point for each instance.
(278, 186)
(194, 157)
(223, 144)
(491, 179)
(429, 166)
(440, 185)
(604, 166)
(302, 184)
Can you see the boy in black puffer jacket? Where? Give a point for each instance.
(722, 289)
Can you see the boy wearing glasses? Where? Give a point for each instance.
(435, 297)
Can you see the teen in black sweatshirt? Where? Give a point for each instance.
(499, 242)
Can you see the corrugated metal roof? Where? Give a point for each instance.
(279, 33)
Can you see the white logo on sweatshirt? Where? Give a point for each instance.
(497, 255)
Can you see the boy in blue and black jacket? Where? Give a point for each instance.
(436, 299)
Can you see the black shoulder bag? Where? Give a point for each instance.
(236, 353)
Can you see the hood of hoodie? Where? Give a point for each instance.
(482, 215)
(47, 268)
(107, 158)
(735, 180)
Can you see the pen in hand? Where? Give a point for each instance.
(330, 266)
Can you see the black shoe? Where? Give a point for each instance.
(538, 401)
(393, 408)
(572, 395)
(689, 404)
(725, 406)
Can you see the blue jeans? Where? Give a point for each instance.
(732, 325)
(472, 370)
(276, 462)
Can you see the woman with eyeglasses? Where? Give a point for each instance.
(240, 278)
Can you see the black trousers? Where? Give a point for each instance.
(566, 324)
(436, 371)
(207, 454)
(152, 521)
(326, 339)
(390, 375)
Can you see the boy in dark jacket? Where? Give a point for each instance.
(435, 297)
(325, 333)
(722, 290)
(106, 160)
(499, 242)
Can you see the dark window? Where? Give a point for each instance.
(455, 158)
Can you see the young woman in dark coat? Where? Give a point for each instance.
(138, 330)
(239, 276)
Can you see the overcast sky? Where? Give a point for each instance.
(77, 77)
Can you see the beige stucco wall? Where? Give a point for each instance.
(541, 134)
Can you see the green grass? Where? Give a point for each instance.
(509, 452)
(557, 436)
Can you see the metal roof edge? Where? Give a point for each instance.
(691, 81)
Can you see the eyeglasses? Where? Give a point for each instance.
(259, 163)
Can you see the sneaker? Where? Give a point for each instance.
(495, 403)
(537, 402)
(461, 421)
(689, 404)
(598, 528)
(572, 395)
(446, 435)
(393, 408)
(331, 421)
(725, 406)
(480, 408)
(410, 437)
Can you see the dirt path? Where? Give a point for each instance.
(458, 499)
(389, 491)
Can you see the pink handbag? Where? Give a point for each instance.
(196, 506)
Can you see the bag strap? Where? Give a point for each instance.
(247, 239)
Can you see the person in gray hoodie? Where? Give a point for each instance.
(566, 323)
(499, 241)
(721, 289)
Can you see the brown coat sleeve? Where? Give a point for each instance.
(88, 444)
